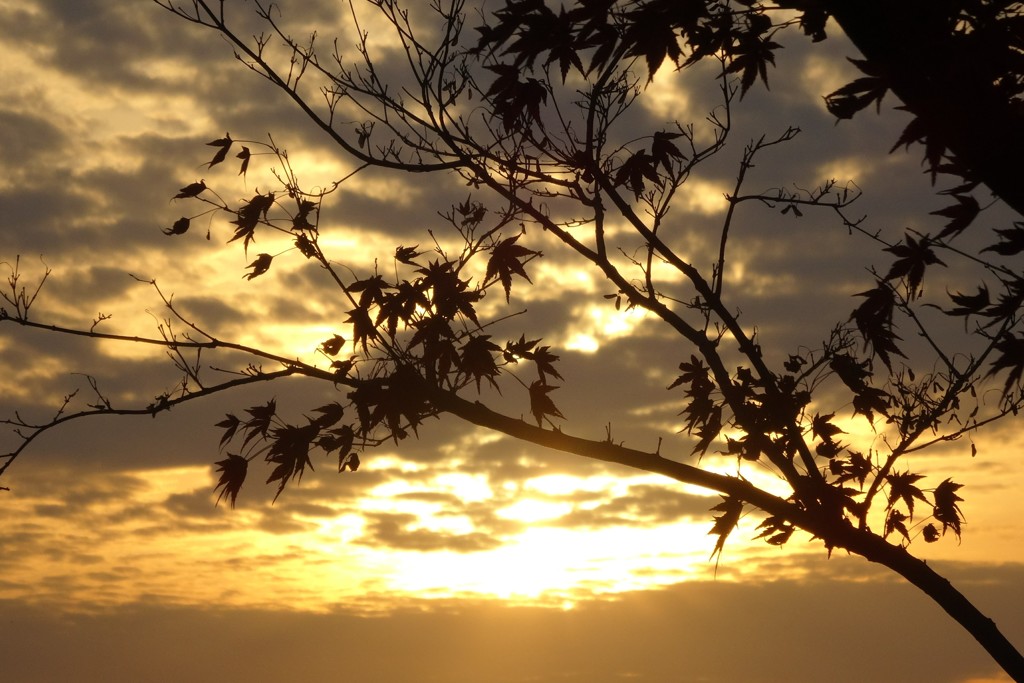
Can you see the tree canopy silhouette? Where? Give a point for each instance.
(527, 107)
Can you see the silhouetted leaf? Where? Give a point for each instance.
(946, 509)
(902, 487)
(261, 419)
(348, 462)
(330, 414)
(180, 227)
(868, 400)
(191, 190)
(223, 144)
(244, 155)
(855, 96)
(874, 322)
(289, 450)
(969, 304)
(233, 470)
(333, 345)
(663, 151)
(541, 404)
(476, 359)
(406, 255)
(731, 509)
(822, 427)
(1011, 241)
(248, 217)
(776, 530)
(230, 425)
(341, 440)
(1011, 357)
(634, 170)
(914, 256)
(960, 214)
(545, 361)
(505, 262)
(260, 266)
(896, 521)
(363, 329)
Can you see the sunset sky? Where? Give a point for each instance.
(463, 555)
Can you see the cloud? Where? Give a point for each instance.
(397, 531)
(107, 113)
(700, 631)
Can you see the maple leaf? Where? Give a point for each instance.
(776, 530)
(731, 509)
(244, 155)
(514, 350)
(371, 290)
(540, 403)
(869, 399)
(260, 421)
(394, 402)
(902, 487)
(450, 294)
(896, 521)
(946, 509)
(852, 97)
(233, 470)
(402, 304)
(515, 102)
(663, 151)
(472, 212)
(330, 414)
(301, 220)
(305, 246)
(545, 361)
(634, 170)
(223, 144)
(1011, 241)
(969, 304)
(651, 37)
(230, 425)
(558, 40)
(504, 263)
(917, 131)
(340, 439)
(406, 255)
(259, 266)
(333, 345)
(914, 256)
(290, 450)
(477, 361)
(248, 217)
(180, 227)
(363, 329)
(960, 214)
(191, 190)
(874, 321)
(348, 462)
(710, 427)
(1011, 350)
(752, 57)
(822, 427)
(856, 467)
(850, 371)
(694, 371)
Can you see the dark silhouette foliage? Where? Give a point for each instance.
(525, 108)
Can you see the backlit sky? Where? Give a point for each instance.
(462, 556)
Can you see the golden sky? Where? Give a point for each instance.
(461, 556)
